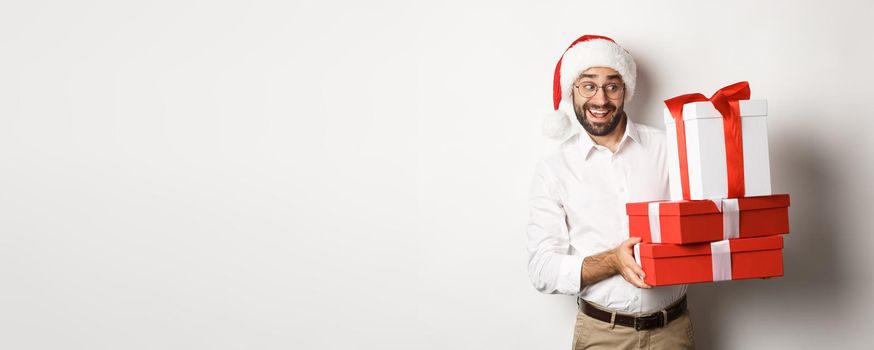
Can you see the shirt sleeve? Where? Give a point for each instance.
(551, 269)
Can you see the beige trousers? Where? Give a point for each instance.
(590, 333)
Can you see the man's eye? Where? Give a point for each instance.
(612, 87)
(589, 87)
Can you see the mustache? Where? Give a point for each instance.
(608, 106)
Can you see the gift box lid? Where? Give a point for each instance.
(650, 250)
(697, 207)
(705, 110)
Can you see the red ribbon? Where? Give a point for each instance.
(725, 101)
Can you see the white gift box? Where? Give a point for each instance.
(705, 150)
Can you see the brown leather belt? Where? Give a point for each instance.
(653, 320)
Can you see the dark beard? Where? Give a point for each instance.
(599, 129)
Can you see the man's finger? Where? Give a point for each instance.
(642, 276)
(641, 284)
(634, 279)
(629, 243)
(631, 277)
(637, 270)
(628, 260)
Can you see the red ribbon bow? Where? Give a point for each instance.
(725, 101)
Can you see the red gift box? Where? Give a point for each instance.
(683, 222)
(744, 258)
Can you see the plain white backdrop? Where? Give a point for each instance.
(332, 175)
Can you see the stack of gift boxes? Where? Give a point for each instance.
(722, 222)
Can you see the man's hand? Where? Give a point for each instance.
(619, 260)
(625, 264)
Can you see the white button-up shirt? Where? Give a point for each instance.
(578, 201)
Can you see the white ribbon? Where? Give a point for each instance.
(720, 257)
(730, 210)
(730, 218)
(655, 228)
(637, 254)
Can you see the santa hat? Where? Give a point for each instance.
(586, 52)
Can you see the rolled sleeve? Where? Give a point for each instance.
(550, 266)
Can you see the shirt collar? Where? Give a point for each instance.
(587, 144)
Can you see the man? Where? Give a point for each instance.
(578, 239)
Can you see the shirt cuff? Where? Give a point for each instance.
(570, 274)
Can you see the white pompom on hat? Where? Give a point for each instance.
(586, 52)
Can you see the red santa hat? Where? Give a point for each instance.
(586, 52)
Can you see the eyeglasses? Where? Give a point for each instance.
(588, 89)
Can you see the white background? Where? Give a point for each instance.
(333, 175)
